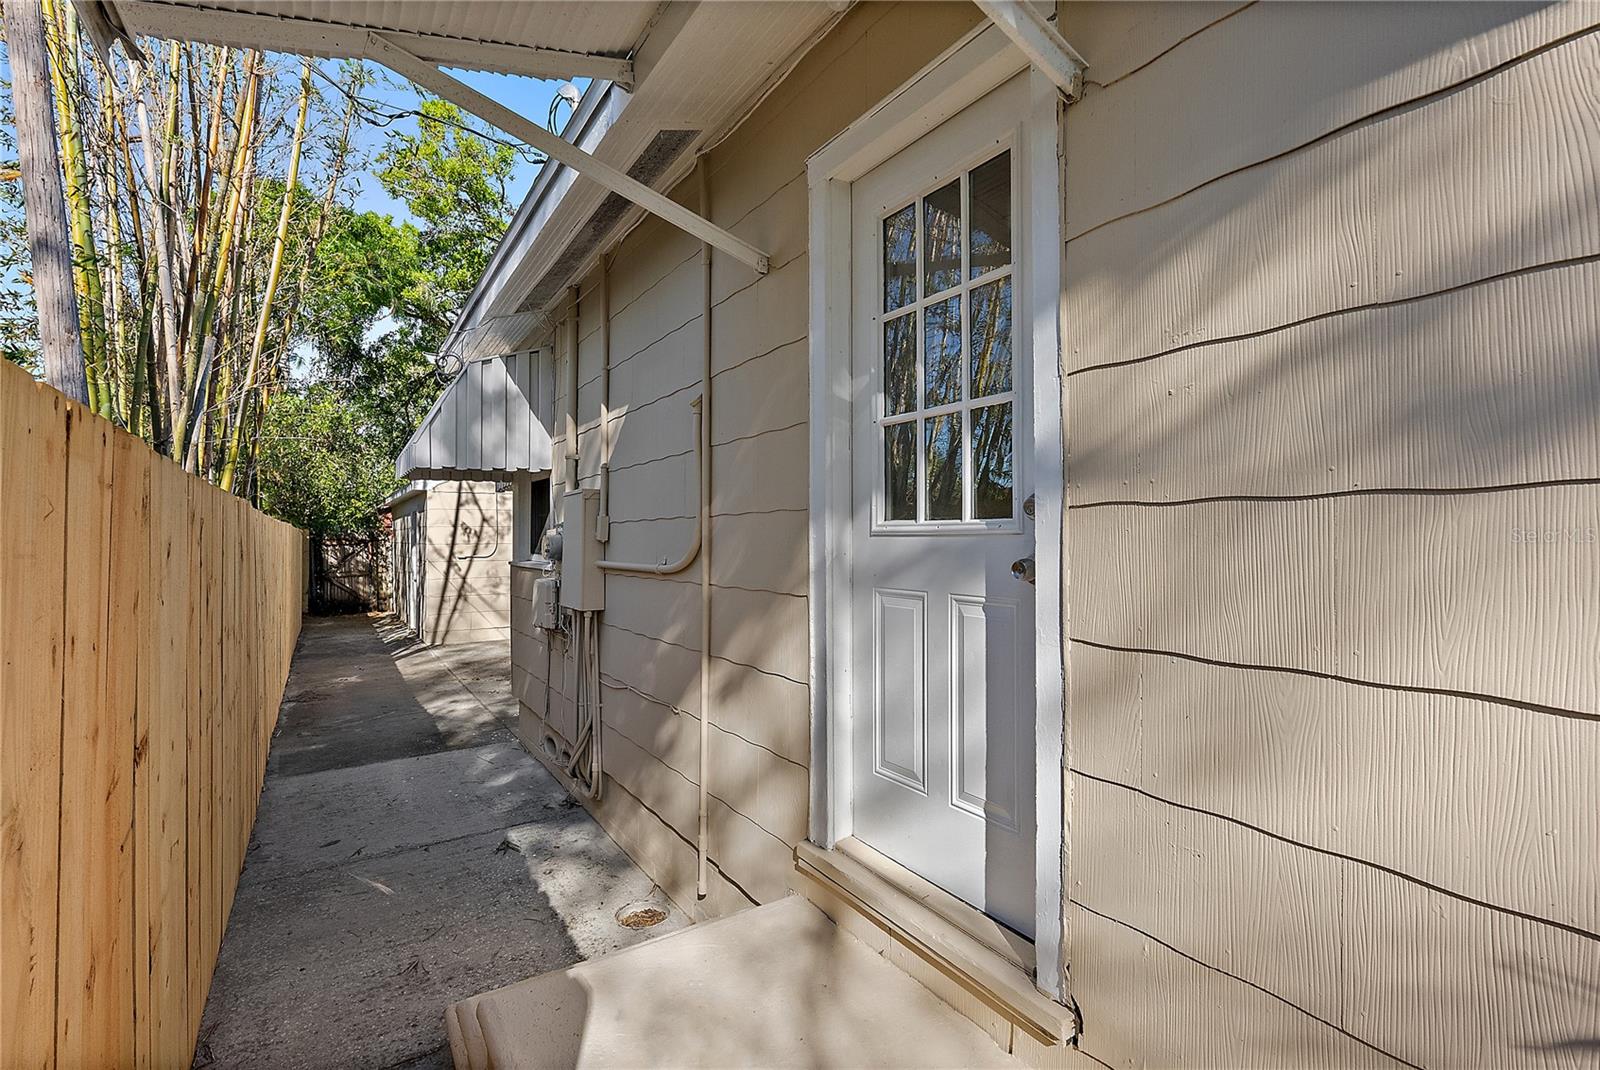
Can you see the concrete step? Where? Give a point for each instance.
(774, 986)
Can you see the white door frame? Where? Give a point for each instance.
(981, 61)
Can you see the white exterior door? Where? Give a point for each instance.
(942, 734)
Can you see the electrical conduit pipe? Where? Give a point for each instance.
(699, 544)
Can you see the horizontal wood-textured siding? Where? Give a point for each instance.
(148, 625)
(466, 564)
(650, 642)
(1333, 534)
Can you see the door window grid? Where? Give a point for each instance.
(927, 417)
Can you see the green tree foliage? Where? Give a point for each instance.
(383, 299)
(454, 181)
(323, 467)
(289, 366)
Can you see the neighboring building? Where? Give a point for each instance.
(1151, 580)
(449, 560)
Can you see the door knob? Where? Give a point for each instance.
(1022, 569)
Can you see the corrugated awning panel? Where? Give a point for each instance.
(482, 427)
(559, 38)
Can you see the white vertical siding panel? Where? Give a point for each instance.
(442, 433)
(519, 411)
(496, 412)
(469, 417)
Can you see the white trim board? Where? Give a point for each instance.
(981, 61)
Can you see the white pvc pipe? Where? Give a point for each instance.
(638, 569)
(703, 446)
(569, 473)
(603, 524)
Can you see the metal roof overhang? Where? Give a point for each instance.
(482, 426)
(720, 61)
(693, 70)
(554, 39)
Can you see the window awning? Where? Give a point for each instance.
(482, 427)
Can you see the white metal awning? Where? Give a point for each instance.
(554, 39)
(629, 44)
(482, 427)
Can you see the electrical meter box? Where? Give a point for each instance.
(583, 585)
(544, 602)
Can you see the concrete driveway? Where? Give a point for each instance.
(407, 853)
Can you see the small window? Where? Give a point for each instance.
(538, 514)
(946, 385)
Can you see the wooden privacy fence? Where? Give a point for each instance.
(147, 620)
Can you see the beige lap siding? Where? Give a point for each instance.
(651, 634)
(1334, 533)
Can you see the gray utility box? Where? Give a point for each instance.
(544, 602)
(583, 585)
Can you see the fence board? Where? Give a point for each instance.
(149, 620)
(94, 1021)
(32, 531)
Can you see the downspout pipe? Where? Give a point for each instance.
(699, 541)
(603, 523)
(699, 546)
(703, 444)
(569, 466)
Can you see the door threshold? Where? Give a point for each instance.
(984, 958)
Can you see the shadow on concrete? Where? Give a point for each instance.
(349, 703)
(407, 854)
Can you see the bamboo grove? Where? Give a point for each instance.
(237, 309)
(192, 238)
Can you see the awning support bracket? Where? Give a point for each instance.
(385, 51)
(1044, 46)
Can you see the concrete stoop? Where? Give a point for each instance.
(774, 986)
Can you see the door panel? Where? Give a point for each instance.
(900, 709)
(987, 702)
(944, 725)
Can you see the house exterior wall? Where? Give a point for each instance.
(1331, 384)
(1331, 553)
(465, 573)
(649, 644)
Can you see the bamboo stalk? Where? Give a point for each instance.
(274, 271)
(163, 219)
(86, 261)
(198, 367)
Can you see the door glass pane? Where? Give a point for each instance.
(991, 462)
(944, 467)
(941, 352)
(941, 228)
(900, 258)
(990, 185)
(900, 365)
(900, 468)
(989, 346)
